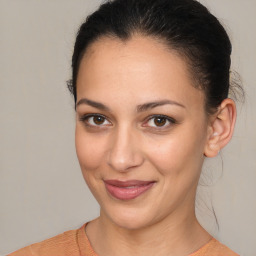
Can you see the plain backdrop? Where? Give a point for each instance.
(42, 192)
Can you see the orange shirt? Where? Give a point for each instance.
(76, 243)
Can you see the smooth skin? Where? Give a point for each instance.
(139, 117)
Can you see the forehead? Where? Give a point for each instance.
(140, 66)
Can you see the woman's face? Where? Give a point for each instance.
(141, 130)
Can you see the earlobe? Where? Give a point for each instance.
(221, 128)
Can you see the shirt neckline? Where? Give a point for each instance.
(87, 250)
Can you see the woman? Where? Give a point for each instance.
(150, 83)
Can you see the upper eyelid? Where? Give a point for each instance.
(85, 117)
(148, 117)
(164, 116)
(91, 115)
(110, 118)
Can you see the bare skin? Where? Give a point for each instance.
(139, 117)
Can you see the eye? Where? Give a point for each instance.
(159, 121)
(95, 120)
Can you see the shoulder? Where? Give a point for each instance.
(214, 248)
(65, 244)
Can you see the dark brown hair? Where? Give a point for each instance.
(183, 25)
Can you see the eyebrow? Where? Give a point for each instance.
(140, 108)
(92, 104)
(150, 105)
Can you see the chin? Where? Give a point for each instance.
(131, 223)
(130, 218)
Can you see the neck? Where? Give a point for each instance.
(174, 235)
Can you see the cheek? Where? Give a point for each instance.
(168, 158)
(89, 149)
(178, 153)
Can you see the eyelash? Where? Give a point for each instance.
(168, 119)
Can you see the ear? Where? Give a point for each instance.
(221, 128)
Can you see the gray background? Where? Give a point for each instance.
(42, 192)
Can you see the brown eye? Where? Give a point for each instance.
(95, 120)
(160, 121)
(98, 120)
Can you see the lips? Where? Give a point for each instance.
(127, 190)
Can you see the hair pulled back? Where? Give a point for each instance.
(185, 26)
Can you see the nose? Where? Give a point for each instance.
(124, 153)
